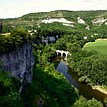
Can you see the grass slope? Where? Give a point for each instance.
(99, 45)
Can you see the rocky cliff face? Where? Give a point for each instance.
(20, 62)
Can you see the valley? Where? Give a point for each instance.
(29, 46)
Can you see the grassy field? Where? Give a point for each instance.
(100, 45)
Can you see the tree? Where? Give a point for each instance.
(9, 96)
(82, 102)
(89, 66)
(13, 99)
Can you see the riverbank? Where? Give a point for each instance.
(88, 91)
(100, 88)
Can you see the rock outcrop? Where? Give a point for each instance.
(20, 62)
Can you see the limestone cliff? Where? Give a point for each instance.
(19, 62)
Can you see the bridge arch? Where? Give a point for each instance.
(63, 53)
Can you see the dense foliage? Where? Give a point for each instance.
(46, 80)
(48, 84)
(9, 96)
(51, 87)
(84, 63)
(82, 102)
(93, 65)
(10, 42)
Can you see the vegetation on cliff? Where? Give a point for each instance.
(9, 87)
(10, 42)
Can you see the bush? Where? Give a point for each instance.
(10, 42)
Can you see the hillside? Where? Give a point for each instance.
(90, 20)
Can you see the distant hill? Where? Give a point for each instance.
(87, 19)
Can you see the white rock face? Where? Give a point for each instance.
(85, 37)
(70, 25)
(88, 27)
(61, 20)
(19, 62)
(99, 20)
(81, 21)
(105, 23)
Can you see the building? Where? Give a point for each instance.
(0, 26)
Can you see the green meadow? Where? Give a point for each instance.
(100, 45)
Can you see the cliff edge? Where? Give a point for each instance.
(19, 62)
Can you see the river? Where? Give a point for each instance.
(84, 89)
(62, 68)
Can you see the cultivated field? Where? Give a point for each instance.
(100, 45)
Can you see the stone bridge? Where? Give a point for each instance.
(62, 53)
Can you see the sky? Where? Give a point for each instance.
(17, 8)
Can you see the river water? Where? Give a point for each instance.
(84, 89)
(62, 68)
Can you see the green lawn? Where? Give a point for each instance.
(99, 45)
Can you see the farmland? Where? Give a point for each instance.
(100, 45)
